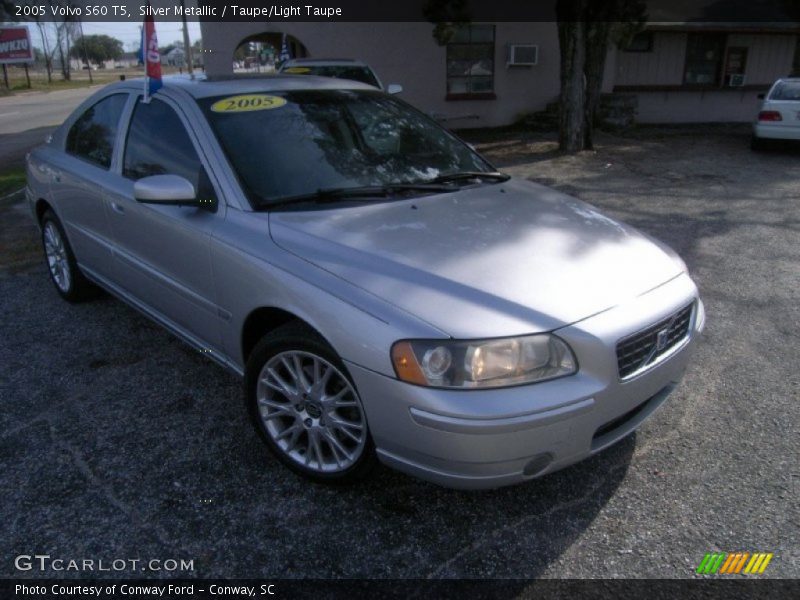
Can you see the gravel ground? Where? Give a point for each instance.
(117, 441)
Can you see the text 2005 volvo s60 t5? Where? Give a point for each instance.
(385, 293)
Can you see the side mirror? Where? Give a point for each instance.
(762, 96)
(168, 189)
(394, 88)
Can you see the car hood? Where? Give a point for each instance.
(485, 261)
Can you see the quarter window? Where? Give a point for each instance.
(92, 136)
(470, 61)
(158, 144)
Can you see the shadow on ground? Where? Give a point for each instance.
(125, 442)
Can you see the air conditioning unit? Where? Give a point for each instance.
(736, 81)
(523, 55)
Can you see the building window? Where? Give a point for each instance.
(470, 62)
(641, 42)
(796, 63)
(704, 59)
(735, 65)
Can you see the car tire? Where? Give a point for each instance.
(64, 272)
(305, 407)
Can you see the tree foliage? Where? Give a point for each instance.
(7, 11)
(96, 48)
(447, 16)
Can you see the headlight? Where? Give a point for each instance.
(482, 363)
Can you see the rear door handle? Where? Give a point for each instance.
(118, 208)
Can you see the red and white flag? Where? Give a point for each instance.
(150, 56)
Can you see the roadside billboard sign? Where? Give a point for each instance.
(15, 45)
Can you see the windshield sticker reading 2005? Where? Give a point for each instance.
(247, 103)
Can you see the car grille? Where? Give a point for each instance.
(637, 351)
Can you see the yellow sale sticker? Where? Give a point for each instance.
(248, 102)
(296, 70)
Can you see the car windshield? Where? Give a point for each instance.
(351, 72)
(786, 90)
(286, 145)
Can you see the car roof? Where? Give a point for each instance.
(324, 62)
(205, 87)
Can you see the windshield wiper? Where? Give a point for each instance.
(463, 175)
(326, 195)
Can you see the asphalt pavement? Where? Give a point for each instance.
(28, 110)
(27, 118)
(118, 441)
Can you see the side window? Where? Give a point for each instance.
(158, 144)
(92, 136)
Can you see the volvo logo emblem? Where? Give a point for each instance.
(661, 339)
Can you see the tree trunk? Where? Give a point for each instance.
(597, 40)
(68, 71)
(48, 65)
(63, 64)
(573, 57)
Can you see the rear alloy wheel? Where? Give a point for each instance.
(64, 273)
(306, 408)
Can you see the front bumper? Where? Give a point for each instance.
(490, 438)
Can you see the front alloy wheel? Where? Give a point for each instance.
(311, 412)
(306, 408)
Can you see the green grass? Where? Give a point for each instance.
(42, 85)
(19, 84)
(11, 181)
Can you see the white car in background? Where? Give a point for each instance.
(340, 68)
(779, 117)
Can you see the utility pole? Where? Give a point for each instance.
(187, 49)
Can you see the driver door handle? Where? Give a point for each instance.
(118, 208)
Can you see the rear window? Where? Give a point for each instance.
(353, 73)
(786, 90)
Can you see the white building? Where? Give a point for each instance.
(493, 73)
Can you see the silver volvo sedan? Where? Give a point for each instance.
(385, 293)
